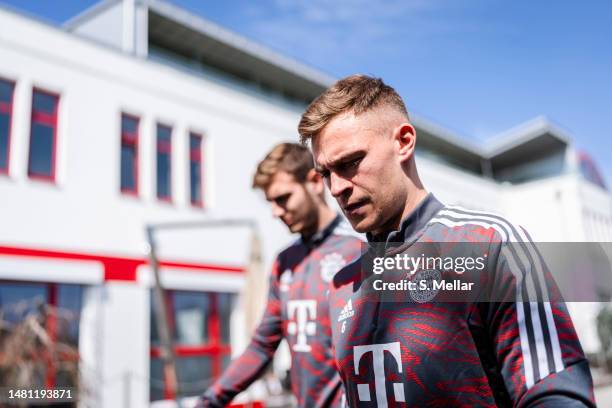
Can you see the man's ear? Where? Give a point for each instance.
(314, 182)
(405, 135)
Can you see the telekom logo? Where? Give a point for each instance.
(302, 314)
(378, 359)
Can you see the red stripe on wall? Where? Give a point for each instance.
(194, 351)
(116, 268)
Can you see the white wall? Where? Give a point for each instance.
(103, 26)
(456, 187)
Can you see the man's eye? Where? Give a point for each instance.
(282, 199)
(350, 164)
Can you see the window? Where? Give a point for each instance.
(129, 154)
(164, 162)
(199, 324)
(55, 308)
(6, 110)
(43, 135)
(195, 169)
(589, 170)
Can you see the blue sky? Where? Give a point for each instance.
(475, 67)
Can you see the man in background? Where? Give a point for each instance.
(297, 308)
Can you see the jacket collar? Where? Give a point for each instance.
(321, 235)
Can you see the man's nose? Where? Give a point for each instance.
(338, 185)
(277, 210)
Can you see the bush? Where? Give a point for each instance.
(604, 331)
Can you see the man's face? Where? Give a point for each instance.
(292, 202)
(360, 159)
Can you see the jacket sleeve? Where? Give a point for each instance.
(532, 337)
(246, 368)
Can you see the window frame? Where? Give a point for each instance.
(131, 139)
(168, 150)
(196, 156)
(7, 108)
(214, 348)
(49, 120)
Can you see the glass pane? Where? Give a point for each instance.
(129, 124)
(195, 182)
(225, 361)
(191, 310)
(128, 160)
(17, 300)
(164, 133)
(69, 302)
(194, 374)
(163, 175)
(41, 150)
(225, 305)
(195, 142)
(4, 139)
(43, 102)
(156, 384)
(6, 91)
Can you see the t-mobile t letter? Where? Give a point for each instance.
(378, 359)
(305, 312)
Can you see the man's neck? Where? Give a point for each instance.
(414, 199)
(325, 215)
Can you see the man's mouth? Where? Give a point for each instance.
(352, 207)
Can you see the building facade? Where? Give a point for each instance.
(138, 113)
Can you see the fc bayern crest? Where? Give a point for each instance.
(331, 264)
(425, 290)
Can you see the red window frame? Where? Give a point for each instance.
(163, 146)
(214, 348)
(195, 156)
(7, 108)
(48, 119)
(130, 139)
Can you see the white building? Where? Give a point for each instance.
(138, 113)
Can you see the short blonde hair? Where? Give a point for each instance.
(356, 93)
(292, 158)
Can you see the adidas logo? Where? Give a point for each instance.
(347, 311)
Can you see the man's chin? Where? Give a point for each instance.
(360, 224)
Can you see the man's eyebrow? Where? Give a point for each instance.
(277, 196)
(345, 157)
(339, 160)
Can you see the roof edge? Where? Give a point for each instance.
(87, 14)
(446, 135)
(237, 41)
(523, 133)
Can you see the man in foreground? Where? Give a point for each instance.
(297, 307)
(415, 351)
